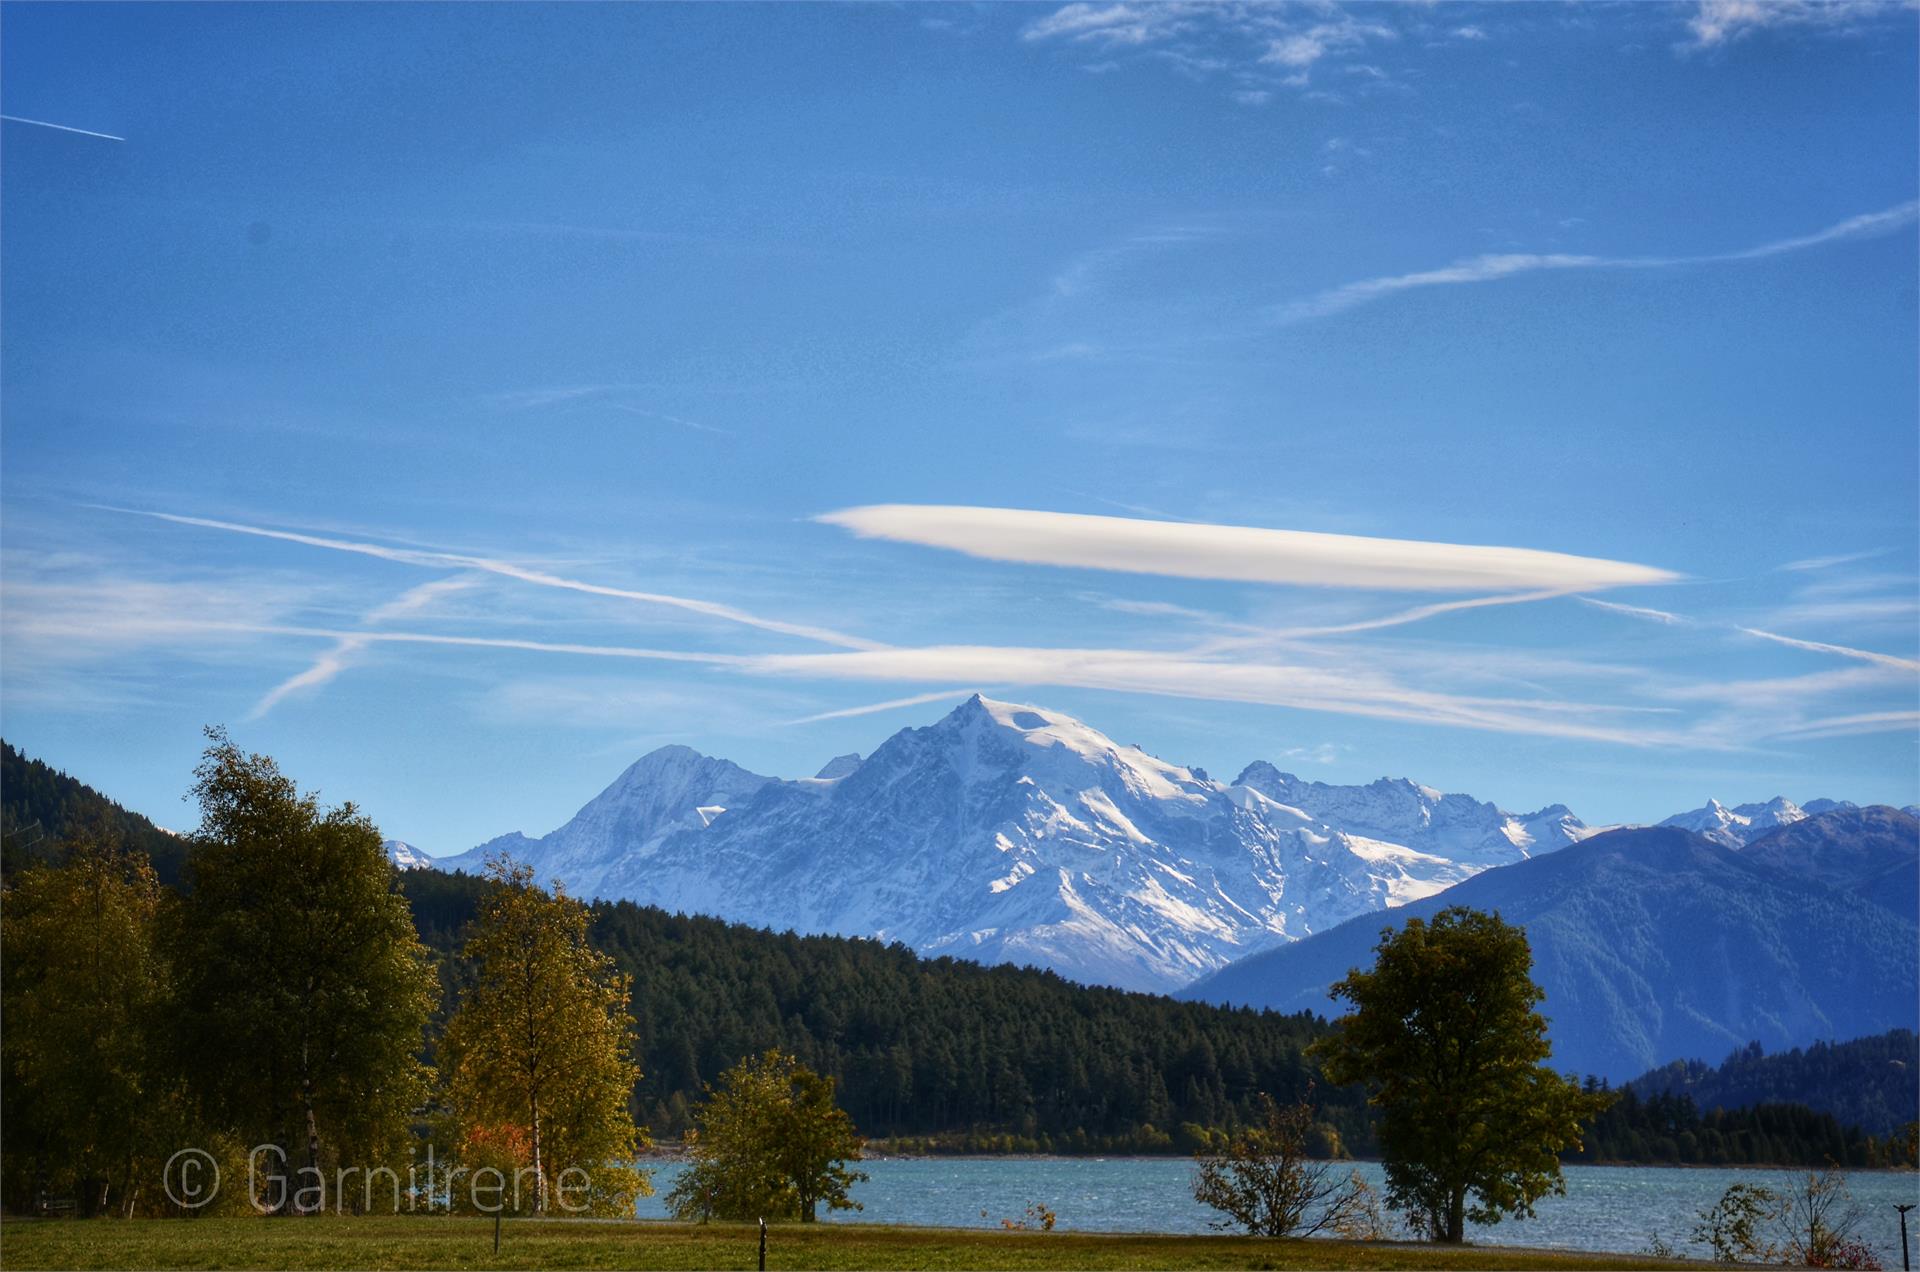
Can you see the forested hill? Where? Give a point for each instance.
(982, 1057)
(40, 806)
(1872, 1083)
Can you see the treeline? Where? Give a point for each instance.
(934, 1053)
(1671, 1130)
(1872, 1083)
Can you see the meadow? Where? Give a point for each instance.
(407, 1242)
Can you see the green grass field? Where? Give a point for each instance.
(438, 1242)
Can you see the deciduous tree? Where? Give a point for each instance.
(542, 1041)
(768, 1142)
(1266, 1183)
(1445, 1035)
(84, 991)
(303, 988)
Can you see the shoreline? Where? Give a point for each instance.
(677, 1154)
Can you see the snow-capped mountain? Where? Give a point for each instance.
(406, 856)
(1457, 827)
(1739, 826)
(672, 789)
(1008, 833)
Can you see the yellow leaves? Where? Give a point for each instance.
(543, 1038)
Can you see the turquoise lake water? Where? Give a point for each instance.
(1617, 1208)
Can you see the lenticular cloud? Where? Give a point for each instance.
(1238, 553)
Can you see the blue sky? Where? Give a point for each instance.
(611, 376)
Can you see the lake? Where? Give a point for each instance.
(1617, 1208)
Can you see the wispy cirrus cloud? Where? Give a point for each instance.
(1238, 553)
(891, 704)
(1666, 619)
(1492, 268)
(1342, 686)
(512, 570)
(345, 651)
(1852, 725)
(1829, 562)
(1262, 47)
(1425, 684)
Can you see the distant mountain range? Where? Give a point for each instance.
(1010, 833)
(1659, 942)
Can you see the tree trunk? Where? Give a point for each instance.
(1457, 1217)
(539, 1171)
(313, 1127)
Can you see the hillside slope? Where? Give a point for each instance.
(40, 806)
(1651, 943)
(1872, 1083)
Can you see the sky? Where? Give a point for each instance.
(457, 402)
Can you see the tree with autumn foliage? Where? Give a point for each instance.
(86, 1099)
(768, 1143)
(537, 1056)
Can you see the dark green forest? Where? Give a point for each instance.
(1872, 1083)
(932, 1052)
(1671, 1129)
(40, 805)
(947, 1055)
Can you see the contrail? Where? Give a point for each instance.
(41, 123)
(507, 569)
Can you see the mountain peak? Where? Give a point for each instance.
(838, 767)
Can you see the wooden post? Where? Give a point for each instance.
(1905, 1262)
(763, 1245)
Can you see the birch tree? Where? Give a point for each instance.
(538, 1050)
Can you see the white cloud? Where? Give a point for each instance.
(1252, 41)
(1110, 24)
(1719, 21)
(1239, 553)
(1489, 268)
(1301, 49)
